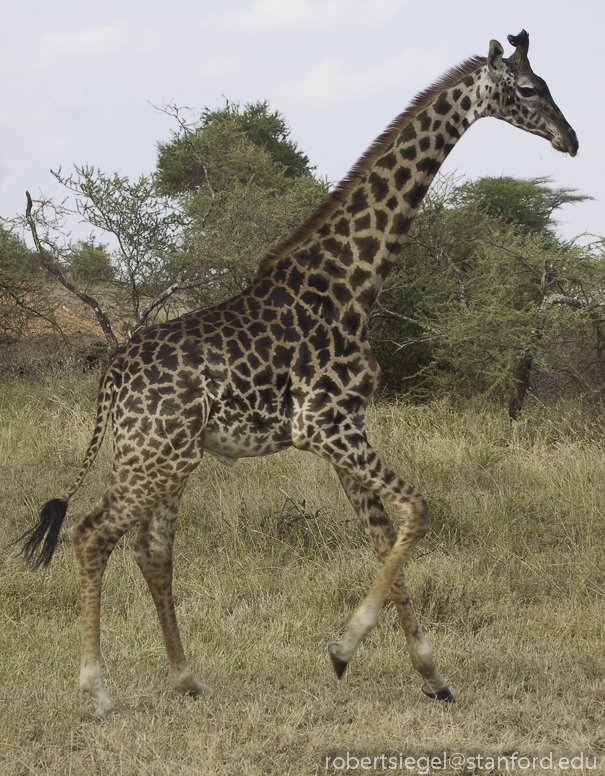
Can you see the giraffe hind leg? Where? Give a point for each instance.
(153, 554)
(94, 536)
(392, 551)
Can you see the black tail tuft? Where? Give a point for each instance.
(46, 530)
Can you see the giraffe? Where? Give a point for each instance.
(286, 363)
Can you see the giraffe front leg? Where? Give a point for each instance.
(153, 554)
(379, 529)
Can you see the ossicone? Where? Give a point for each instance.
(520, 41)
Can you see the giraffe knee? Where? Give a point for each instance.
(76, 536)
(152, 561)
(421, 655)
(91, 542)
(97, 532)
(419, 515)
(83, 528)
(142, 558)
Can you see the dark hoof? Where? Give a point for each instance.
(339, 665)
(442, 695)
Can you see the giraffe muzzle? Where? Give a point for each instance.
(567, 142)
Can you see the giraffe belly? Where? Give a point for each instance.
(227, 442)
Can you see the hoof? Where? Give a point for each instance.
(339, 664)
(199, 690)
(102, 707)
(101, 700)
(186, 684)
(441, 695)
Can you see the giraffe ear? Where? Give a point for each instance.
(494, 58)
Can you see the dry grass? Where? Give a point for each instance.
(270, 561)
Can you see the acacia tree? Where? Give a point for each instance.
(528, 206)
(242, 185)
(214, 150)
(147, 263)
(49, 255)
(149, 256)
(229, 185)
(474, 300)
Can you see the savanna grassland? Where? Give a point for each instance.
(270, 561)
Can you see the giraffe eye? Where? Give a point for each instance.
(526, 91)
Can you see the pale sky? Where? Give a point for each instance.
(78, 81)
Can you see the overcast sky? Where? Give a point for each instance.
(78, 81)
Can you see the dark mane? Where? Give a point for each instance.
(336, 198)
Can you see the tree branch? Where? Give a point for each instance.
(157, 302)
(378, 311)
(552, 299)
(51, 266)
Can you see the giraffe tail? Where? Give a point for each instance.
(41, 540)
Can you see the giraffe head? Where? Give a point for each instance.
(522, 98)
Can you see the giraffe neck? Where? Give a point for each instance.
(354, 238)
